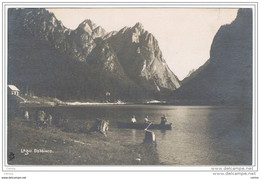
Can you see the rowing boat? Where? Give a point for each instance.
(129, 125)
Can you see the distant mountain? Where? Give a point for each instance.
(227, 76)
(49, 59)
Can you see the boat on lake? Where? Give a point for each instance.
(130, 125)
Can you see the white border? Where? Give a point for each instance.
(67, 168)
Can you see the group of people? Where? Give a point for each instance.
(146, 120)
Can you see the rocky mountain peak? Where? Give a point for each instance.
(87, 25)
(139, 26)
(131, 56)
(98, 32)
(140, 56)
(190, 72)
(91, 28)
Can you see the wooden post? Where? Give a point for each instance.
(149, 137)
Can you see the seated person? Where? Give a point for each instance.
(146, 119)
(163, 120)
(133, 119)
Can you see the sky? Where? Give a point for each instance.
(184, 34)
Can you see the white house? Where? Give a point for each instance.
(13, 90)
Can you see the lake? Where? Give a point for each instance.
(201, 135)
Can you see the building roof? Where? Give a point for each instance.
(14, 88)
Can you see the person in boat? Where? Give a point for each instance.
(146, 120)
(133, 119)
(163, 120)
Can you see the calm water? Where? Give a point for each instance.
(201, 135)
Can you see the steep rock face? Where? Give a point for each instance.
(51, 59)
(227, 79)
(92, 29)
(141, 58)
(40, 23)
(104, 57)
(77, 44)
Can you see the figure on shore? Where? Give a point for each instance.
(41, 119)
(40, 116)
(49, 119)
(26, 115)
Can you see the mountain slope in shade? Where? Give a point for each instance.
(141, 58)
(193, 73)
(227, 79)
(50, 60)
(53, 60)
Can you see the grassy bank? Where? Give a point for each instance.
(69, 148)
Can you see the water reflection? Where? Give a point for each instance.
(163, 132)
(234, 134)
(133, 135)
(200, 135)
(188, 143)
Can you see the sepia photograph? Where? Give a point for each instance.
(129, 86)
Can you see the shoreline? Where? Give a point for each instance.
(77, 103)
(82, 104)
(55, 146)
(36, 101)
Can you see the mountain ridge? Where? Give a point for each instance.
(89, 44)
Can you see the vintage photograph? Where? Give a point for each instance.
(129, 86)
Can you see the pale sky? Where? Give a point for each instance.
(184, 35)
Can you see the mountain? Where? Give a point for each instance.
(51, 60)
(227, 76)
(193, 73)
(141, 58)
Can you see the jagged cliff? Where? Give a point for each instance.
(50, 59)
(142, 59)
(227, 77)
